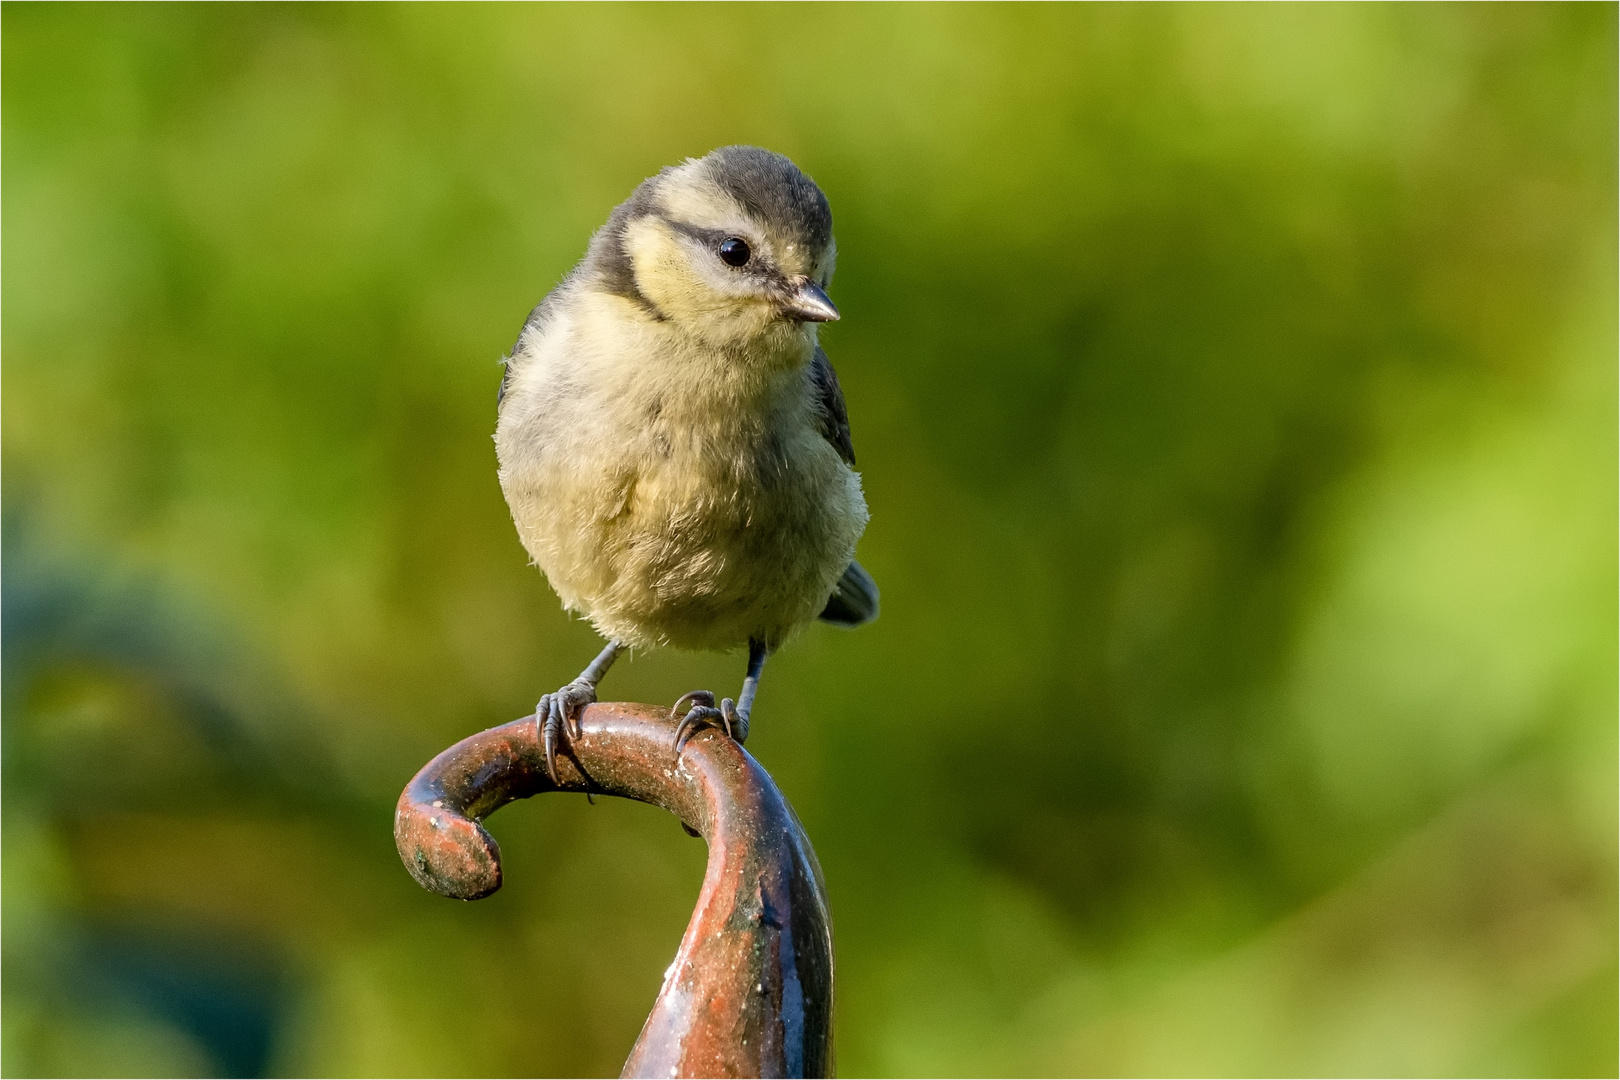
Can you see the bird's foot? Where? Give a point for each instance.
(703, 713)
(559, 711)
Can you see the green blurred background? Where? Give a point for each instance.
(1235, 393)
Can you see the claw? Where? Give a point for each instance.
(694, 719)
(571, 708)
(559, 712)
(543, 717)
(562, 712)
(696, 697)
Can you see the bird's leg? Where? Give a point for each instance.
(738, 714)
(732, 715)
(563, 707)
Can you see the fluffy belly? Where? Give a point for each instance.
(697, 555)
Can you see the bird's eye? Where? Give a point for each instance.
(734, 251)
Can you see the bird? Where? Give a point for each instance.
(672, 440)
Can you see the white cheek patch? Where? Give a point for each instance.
(662, 266)
(675, 273)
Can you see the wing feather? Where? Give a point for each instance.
(831, 415)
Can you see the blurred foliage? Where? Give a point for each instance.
(1235, 393)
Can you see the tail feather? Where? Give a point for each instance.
(854, 600)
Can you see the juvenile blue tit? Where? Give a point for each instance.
(672, 440)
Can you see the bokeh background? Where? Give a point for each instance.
(1235, 392)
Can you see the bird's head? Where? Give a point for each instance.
(732, 247)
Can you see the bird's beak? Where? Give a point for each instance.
(810, 304)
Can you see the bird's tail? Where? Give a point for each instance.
(854, 600)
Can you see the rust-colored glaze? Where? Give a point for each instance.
(750, 990)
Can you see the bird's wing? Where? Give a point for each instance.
(506, 379)
(832, 417)
(854, 600)
(537, 319)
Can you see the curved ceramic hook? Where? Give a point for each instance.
(750, 991)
